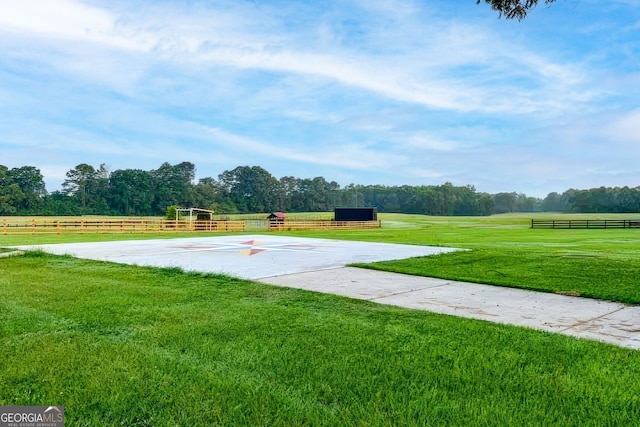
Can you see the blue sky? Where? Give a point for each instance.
(386, 92)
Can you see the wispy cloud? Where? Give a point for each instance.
(403, 91)
(421, 78)
(626, 130)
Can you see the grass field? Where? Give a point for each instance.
(596, 263)
(602, 264)
(123, 345)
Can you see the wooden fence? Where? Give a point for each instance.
(82, 226)
(585, 223)
(86, 226)
(321, 225)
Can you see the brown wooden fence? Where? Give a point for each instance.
(585, 223)
(82, 226)
(321, 225)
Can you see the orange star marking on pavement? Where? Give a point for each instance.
(252, 250)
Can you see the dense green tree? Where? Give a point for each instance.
(292, 196)
(316, 195)
(131, 192)
(467, 201)
(173, 185)
(31, 184)
(554, 202)
(627, 199)
(10, 193)
(252, 189)
(527, 204)
(22, 190)
(207, 194)
(596, 200)
(485, 204)
(58, 203)
(89, 186)
(445, 199)
(505, 202)
(77, 182)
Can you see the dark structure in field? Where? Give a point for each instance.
(277, 216)
(355, 214)
(276, 221)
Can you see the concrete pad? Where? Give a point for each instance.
(244, 256)
(620, 327)
(370, 285)
(538, 310)
(319, 265)
(605, 321)
(8, 254)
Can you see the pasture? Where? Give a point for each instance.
(595, 263)
(126, 345)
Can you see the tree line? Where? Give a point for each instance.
(88, 190)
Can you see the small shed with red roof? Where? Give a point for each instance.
(276, 219)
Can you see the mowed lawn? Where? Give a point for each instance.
(123, 345)
(504, 250)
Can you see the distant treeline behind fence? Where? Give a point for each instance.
(585, 223)
(80, 226)
(140, 193)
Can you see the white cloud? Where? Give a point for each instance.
(625, 129)
(399, 87)
(63, 18)
(351, 156)
(422, 173)
(418, 73)
(426, 142)
(68, 19)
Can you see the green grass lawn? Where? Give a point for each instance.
(589, 276)
(603, 264)
(125, 345)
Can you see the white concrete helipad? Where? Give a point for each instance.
(245, 256)
(319, 265)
